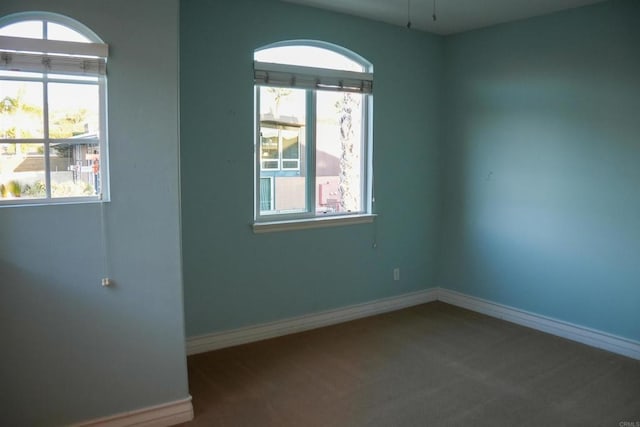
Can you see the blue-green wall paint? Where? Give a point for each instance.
(517, 146)
(235, 278)
(542, 178)
(72, 350)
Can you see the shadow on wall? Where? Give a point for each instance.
(541, 168)
(64, 339)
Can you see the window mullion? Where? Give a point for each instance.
(311, 151)
(45, 116)
(280, 149)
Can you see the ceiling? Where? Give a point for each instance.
(453, 16)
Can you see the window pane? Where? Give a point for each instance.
(21, 113)
(73, 110)
(75, 170)
(266, 202)
(60, 32)
(339, 152)
(290, 164)
(282, 128)
(27, 29)
(22, 171)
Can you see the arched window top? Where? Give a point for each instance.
(312, 64)
(53, 122)
(51, 43)
(46, 26)
(313, 53)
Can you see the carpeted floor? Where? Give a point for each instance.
(429, 365)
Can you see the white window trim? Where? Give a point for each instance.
(308, 223)
(264, 223)
(91, 58)
(60, 47)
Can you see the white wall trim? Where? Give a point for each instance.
(584, 335)
(315, 222)
(164, 415)
(214, 341)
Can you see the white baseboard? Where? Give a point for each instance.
(591, 337)
(164, 415)
(182, 410)
(214, 341)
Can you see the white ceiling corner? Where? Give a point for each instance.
(453, 16)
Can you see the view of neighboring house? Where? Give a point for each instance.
(74, 169)
(283, 153)
(64, 155)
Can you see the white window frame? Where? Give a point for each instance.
(313, 79)
(74, 60)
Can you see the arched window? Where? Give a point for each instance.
(53, 145)
(313, 132)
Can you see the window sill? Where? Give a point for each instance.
(303, 224)
(20, 202)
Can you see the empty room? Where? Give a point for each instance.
(319, 212)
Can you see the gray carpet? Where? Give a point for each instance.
(429, 365)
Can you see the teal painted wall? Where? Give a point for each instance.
(72, 350)
(505, 167)
(541, 195)
(234, 278)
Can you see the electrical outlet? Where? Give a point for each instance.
(396, 274)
